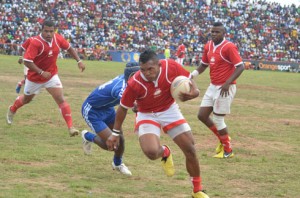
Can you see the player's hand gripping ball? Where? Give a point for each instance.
(180, 84)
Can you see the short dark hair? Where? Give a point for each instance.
(217, 24)
(48, 23)
(148, 55)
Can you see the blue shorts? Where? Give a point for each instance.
(98, 119)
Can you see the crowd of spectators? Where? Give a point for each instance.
(261, 30)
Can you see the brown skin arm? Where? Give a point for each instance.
(135, 108)
(20, 60)
(201, 68)
(36, 69)
(74, 54)
(112, 141)
(237, 72)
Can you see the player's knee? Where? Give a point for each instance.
(190, 152)
(26, 100)
(219, 122)
(151, 154)
(201, 117)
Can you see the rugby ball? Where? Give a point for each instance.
(180, 84)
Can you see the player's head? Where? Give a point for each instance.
(150, 65)
(130, 69)
(218, 32)
(48, 30)
(186, 43)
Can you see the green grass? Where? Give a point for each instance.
(39, 159)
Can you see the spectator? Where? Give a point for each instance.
(180, 53)
(167, 52)
(120, 25)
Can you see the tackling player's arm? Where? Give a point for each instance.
(113, 140)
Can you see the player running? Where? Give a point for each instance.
(150, 89)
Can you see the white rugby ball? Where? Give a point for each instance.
(180, 84)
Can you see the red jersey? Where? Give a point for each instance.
(222, 60)
(26, 44)
(44, 55)
(180, 49)
(153, 96)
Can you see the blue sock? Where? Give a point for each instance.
(117, 161)
(89, 136)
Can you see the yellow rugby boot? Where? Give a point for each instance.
(167, 164)
(200, 194)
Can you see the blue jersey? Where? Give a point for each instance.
(108, 94)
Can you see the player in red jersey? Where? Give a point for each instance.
(20, 61)
(180, 52)
(226, 66)
(150, 89)
(40, 57)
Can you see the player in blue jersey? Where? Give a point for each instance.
(99, 113)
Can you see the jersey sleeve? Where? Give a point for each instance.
(182, 49)
(128, 97)
(26, 44)
(233, 55)
(118, 90)
(33, 50)
(182, 71)
(175, 69)
(62, 42)
(204, 59)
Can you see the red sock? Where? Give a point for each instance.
(226, 143)
(166, 151)
(196, 184)
(17, 104)
(66, 113)
(214, 129)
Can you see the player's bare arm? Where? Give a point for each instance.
(20, 60)
(74, 54)
(200, 69)
(135, 107)
(36, 69)
(113, 140)
(225, 87)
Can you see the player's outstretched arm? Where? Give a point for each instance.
(113, 140)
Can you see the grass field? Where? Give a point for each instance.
(39, 159)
